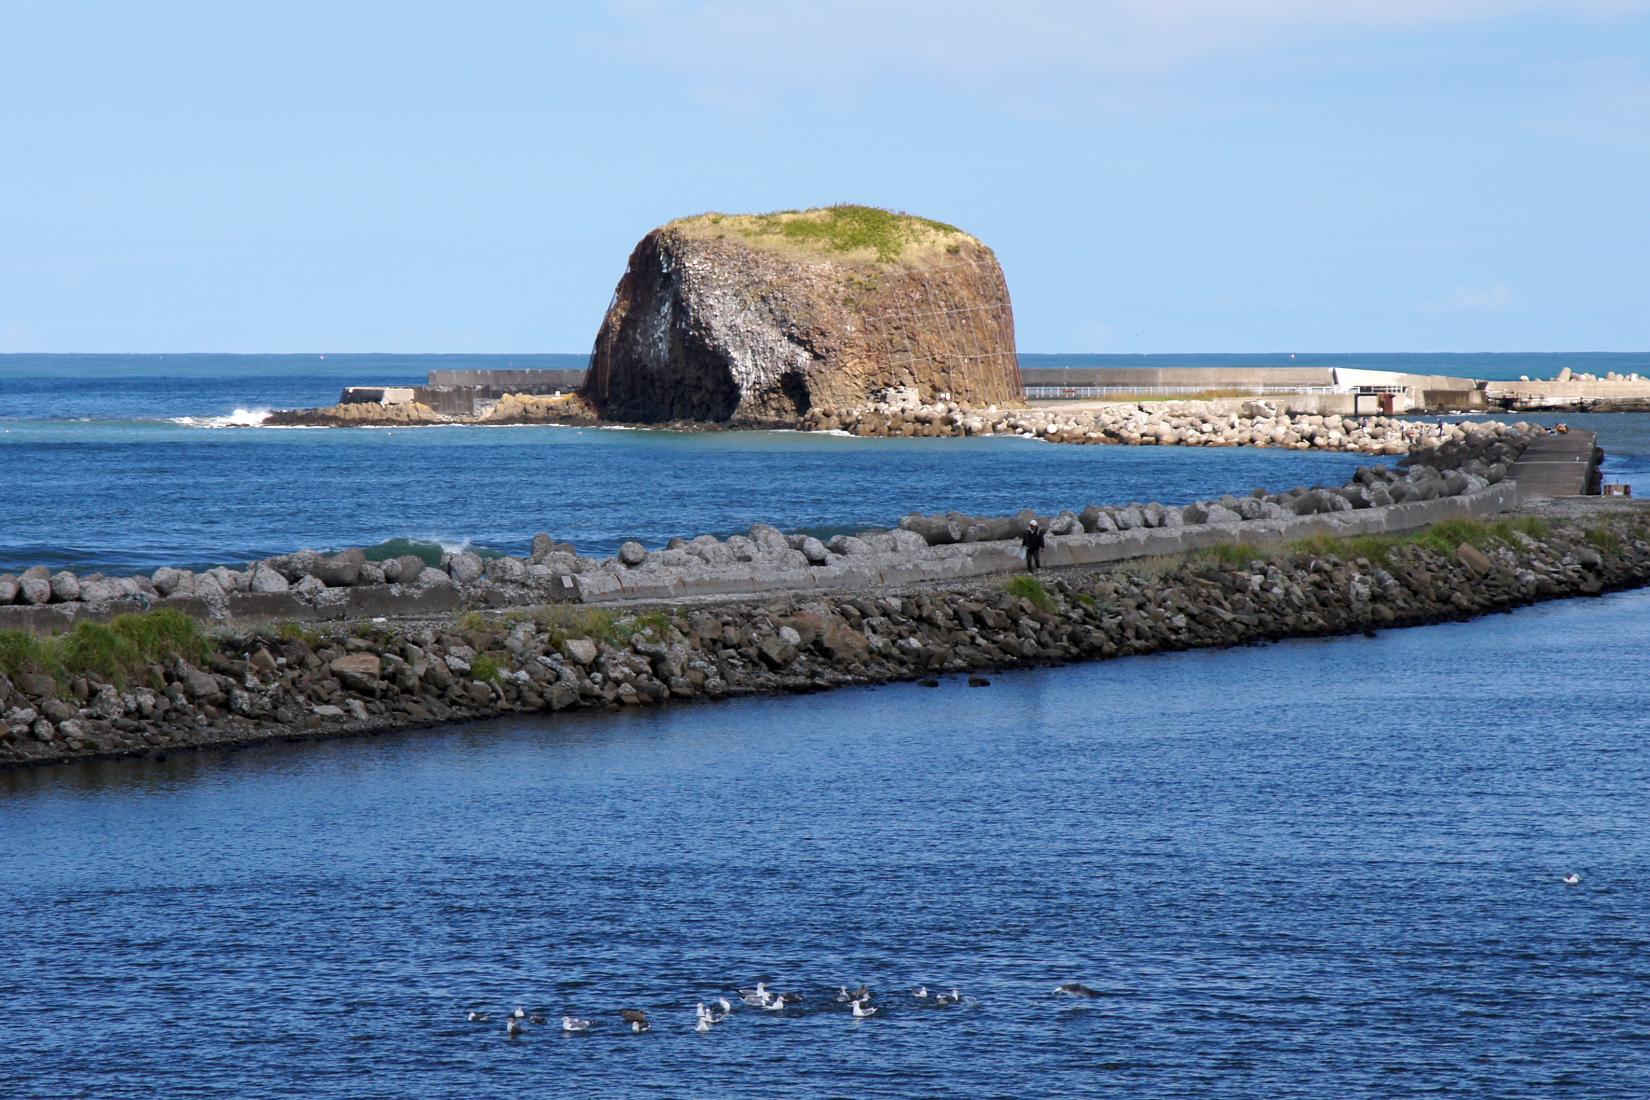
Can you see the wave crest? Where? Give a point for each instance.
(240, 418)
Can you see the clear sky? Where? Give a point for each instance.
(1207, 175)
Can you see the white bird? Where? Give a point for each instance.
(573, 1023)
(724, 1005)
(479, 1017)
(713, 1015)
(520, 1013)
(1572, 879)
(512, 1027)
(842, 995)
(862, 1010)
(920, 993)
(703, 1025)
(775, 1004)
(951, 998)
(756, 998)
(636, 1018)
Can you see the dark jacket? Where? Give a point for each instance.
(1032, 539)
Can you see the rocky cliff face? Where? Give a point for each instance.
(765, 317)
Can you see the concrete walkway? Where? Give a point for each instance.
(1555, 465)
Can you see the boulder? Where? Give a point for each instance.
(848, 544)
(815, 551)
(724, 317)
(36, 685)
(507, 570)
(582, 650)
(465, 567)
(632, 554)
(65, 587)
(34, 590)
(341, 570)
(1473, 558)
(358, 671)
(1096, 520)
(266, 579)
(169, 581)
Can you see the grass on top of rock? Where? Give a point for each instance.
(118, 651)
(1440, 538)
(1030, 588)
(844, 228)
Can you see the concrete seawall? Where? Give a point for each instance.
(1469, 481)
(962, 561)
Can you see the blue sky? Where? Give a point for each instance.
(1207, 175)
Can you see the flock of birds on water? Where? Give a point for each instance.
(859, 1003)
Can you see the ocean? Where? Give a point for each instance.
(1315, 869)
(124, 463)
(1319, 868)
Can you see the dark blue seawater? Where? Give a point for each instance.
(127, 463)
(1318, 869)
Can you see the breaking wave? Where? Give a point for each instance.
(240, 418)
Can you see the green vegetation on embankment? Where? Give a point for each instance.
(119, 651)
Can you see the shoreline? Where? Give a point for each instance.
(367, 679)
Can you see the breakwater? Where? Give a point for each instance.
(1231, 422)
(1463, 478)
(292, 683)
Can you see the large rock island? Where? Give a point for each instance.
(764, 317)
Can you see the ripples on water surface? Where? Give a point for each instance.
(115, 469)
(1309, 870)
(118, 471)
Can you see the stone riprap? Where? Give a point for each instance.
(1465, 477)
(287, 684)
(1220, 423)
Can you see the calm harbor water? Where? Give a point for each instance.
(127, 463)
(1313, 869)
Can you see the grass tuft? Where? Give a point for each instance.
(486, 668)
(118, 651)
(1030, 588)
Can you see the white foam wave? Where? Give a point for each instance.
(240, 418)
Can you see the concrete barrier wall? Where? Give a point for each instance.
(942, 563)
(1210, 377)
(963, 560)
(555, 379)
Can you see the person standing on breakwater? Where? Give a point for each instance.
(1033, 540)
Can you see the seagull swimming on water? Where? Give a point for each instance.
(920, 993)
(573, 1023)
(512, 1027)
(756, 998)
(479, 1017)
(636, 1018)
(863, 1010)
(1075, 989)
(520, 1013)
(1572, 879)
(947, 999)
